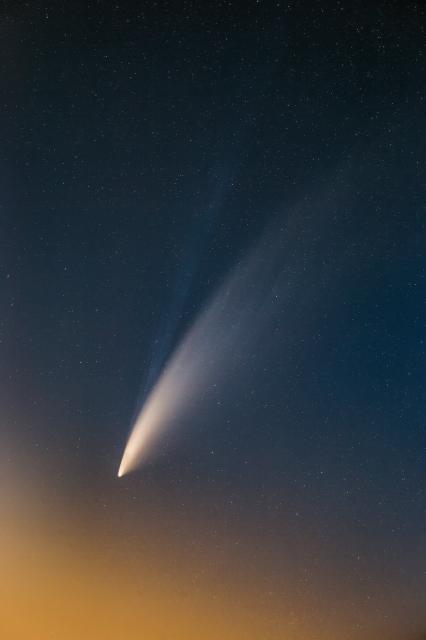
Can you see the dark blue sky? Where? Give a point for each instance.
(145, 149)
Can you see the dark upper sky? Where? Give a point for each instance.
(145, 149)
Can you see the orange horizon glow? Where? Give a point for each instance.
(69, 579)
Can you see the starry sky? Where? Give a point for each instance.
(148, 150)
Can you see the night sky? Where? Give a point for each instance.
(149, 152)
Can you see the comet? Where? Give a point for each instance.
(254, 294)
(207, 354)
